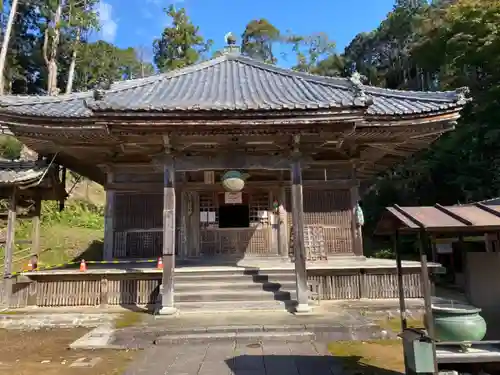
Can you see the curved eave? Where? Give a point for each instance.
(381, 161)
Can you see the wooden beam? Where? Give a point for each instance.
(389, 150)
(10, 240)
(210, 161)
(230, 161)
(192, 186)
(298, 240)
(109, 217)
(453, 215)
(35, 235)
(9, 248)
(167, 292)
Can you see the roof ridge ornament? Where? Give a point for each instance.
(360, 97)
(100, 89)
(462, 95)
(231, 48)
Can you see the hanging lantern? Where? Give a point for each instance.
(360, 217)
(233, 181)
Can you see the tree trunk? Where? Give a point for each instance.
(50, 51)
(5, 43)
(71, 74)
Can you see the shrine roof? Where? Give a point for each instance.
(235, 83)
(460, 218)
(21, 172)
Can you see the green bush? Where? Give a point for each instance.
(10, 147)
(384, 254)
(79, 214)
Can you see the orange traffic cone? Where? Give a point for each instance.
(30, 266)
(83, 266)
(159, 265)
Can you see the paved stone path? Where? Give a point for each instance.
(233, 358)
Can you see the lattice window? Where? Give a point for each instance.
(259, 209)
(209, 216)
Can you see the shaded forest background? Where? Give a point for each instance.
(439, 45)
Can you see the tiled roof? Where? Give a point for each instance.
(462, 218)
(21, 172)
(234, 83)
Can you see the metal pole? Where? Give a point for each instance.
(401, 291)
(426, 291)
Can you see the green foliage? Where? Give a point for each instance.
(10, 147)
(310, 50)
(258, 39)
(384, 254)
(181, 44)
(75, 214)
(113, 64)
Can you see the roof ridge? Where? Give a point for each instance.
(339, 82)
(43, 99)
(445, 96)
(167, 75)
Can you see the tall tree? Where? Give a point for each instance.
(180, 44)
(310, 50)
(53, 12)
(455, 43)
(81, 19)
(6, 41)
(258, 39)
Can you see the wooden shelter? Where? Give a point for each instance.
(25, 184)
(160, 146)
(480, 268)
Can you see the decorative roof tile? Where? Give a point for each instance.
(234, 83)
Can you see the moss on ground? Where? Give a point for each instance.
(129, 319)
(369, 357)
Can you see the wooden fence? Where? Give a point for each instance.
(143, 289)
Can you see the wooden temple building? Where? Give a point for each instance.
(233, 162)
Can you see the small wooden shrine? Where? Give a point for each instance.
(232, 158)
(25, 184)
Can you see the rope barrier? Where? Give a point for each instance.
(64, 265)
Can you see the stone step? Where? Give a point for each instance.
(228, 306)
(234, 276)
(236, 285)
(233, 295)
(254, 337)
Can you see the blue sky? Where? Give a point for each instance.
(136, 23)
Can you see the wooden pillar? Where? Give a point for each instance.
(184, 222)
(167, 289)
(194, 234)
(283, 225)
(9, 247)
(35, 234)
(401, 289)
(299, 245)
(274, 220)
(109, 227)
(426, 291)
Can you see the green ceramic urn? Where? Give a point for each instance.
(458, 322)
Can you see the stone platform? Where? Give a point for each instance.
(330, 322)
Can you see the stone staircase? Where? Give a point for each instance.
(232, 290)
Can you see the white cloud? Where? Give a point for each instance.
(108, 24)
